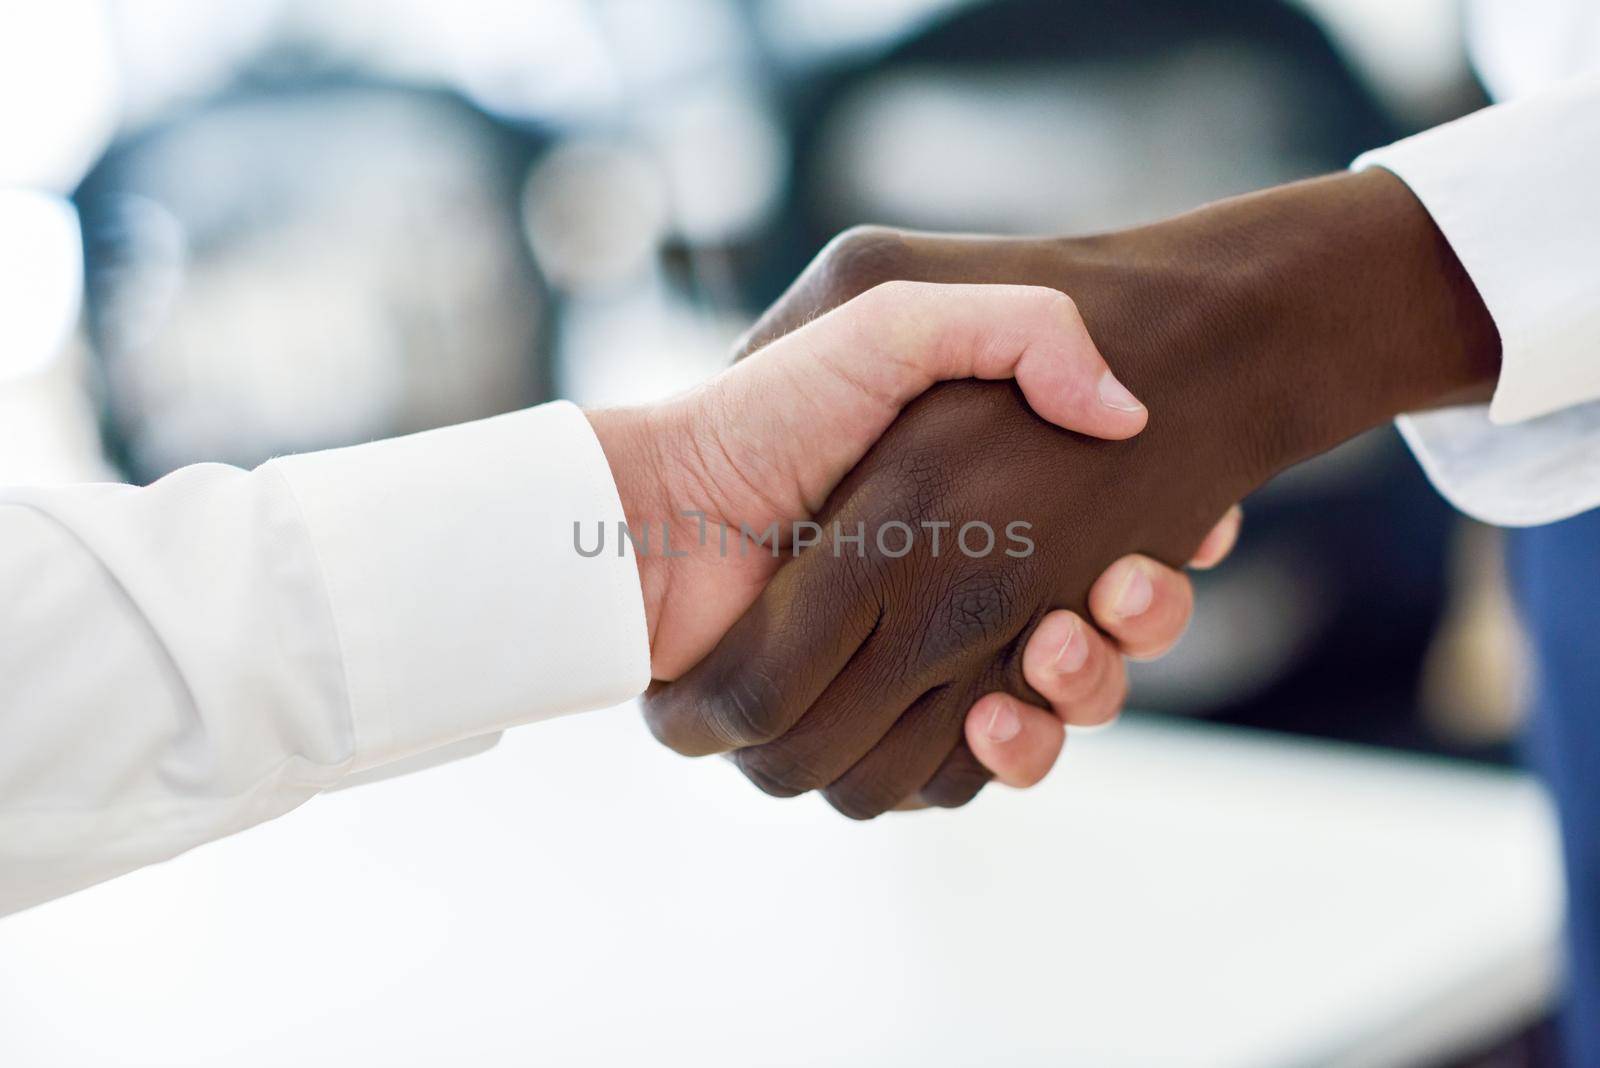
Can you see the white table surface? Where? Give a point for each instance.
(1174, 895)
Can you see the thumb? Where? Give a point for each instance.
(827, 391)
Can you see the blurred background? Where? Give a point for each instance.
(233, 231)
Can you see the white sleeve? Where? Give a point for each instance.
(1515, 189)
(183, 661)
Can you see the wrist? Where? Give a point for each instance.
(634, 450)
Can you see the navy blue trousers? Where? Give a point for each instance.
(1556, 573)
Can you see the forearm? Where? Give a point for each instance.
(184, 660)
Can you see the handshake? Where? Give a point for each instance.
(890, 552)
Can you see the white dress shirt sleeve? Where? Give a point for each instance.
(1515, 188)
(183, 661)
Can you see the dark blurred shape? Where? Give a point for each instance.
(309, 265)
(1182, 101)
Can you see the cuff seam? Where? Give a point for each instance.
(357, 749)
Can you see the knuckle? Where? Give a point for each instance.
(890, 297)
(678, 718)
(974, 611)
(911, 483)
(977, 608)
(897, 289)
(921, 484)
(910, 486)
(863, 799)
(1060, 305)
(862, 257)
(778, 769)
(665, 722)
(956, 784)
(744, 710)
(925, 484)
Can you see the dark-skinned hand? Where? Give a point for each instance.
(1258, 332)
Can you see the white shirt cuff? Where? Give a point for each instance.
(460, 603)
(1515, 189)
(1537, 472)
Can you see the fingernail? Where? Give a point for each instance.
(1004, 723)
(1073, 652)
(1135, 595)
(1114, 394)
